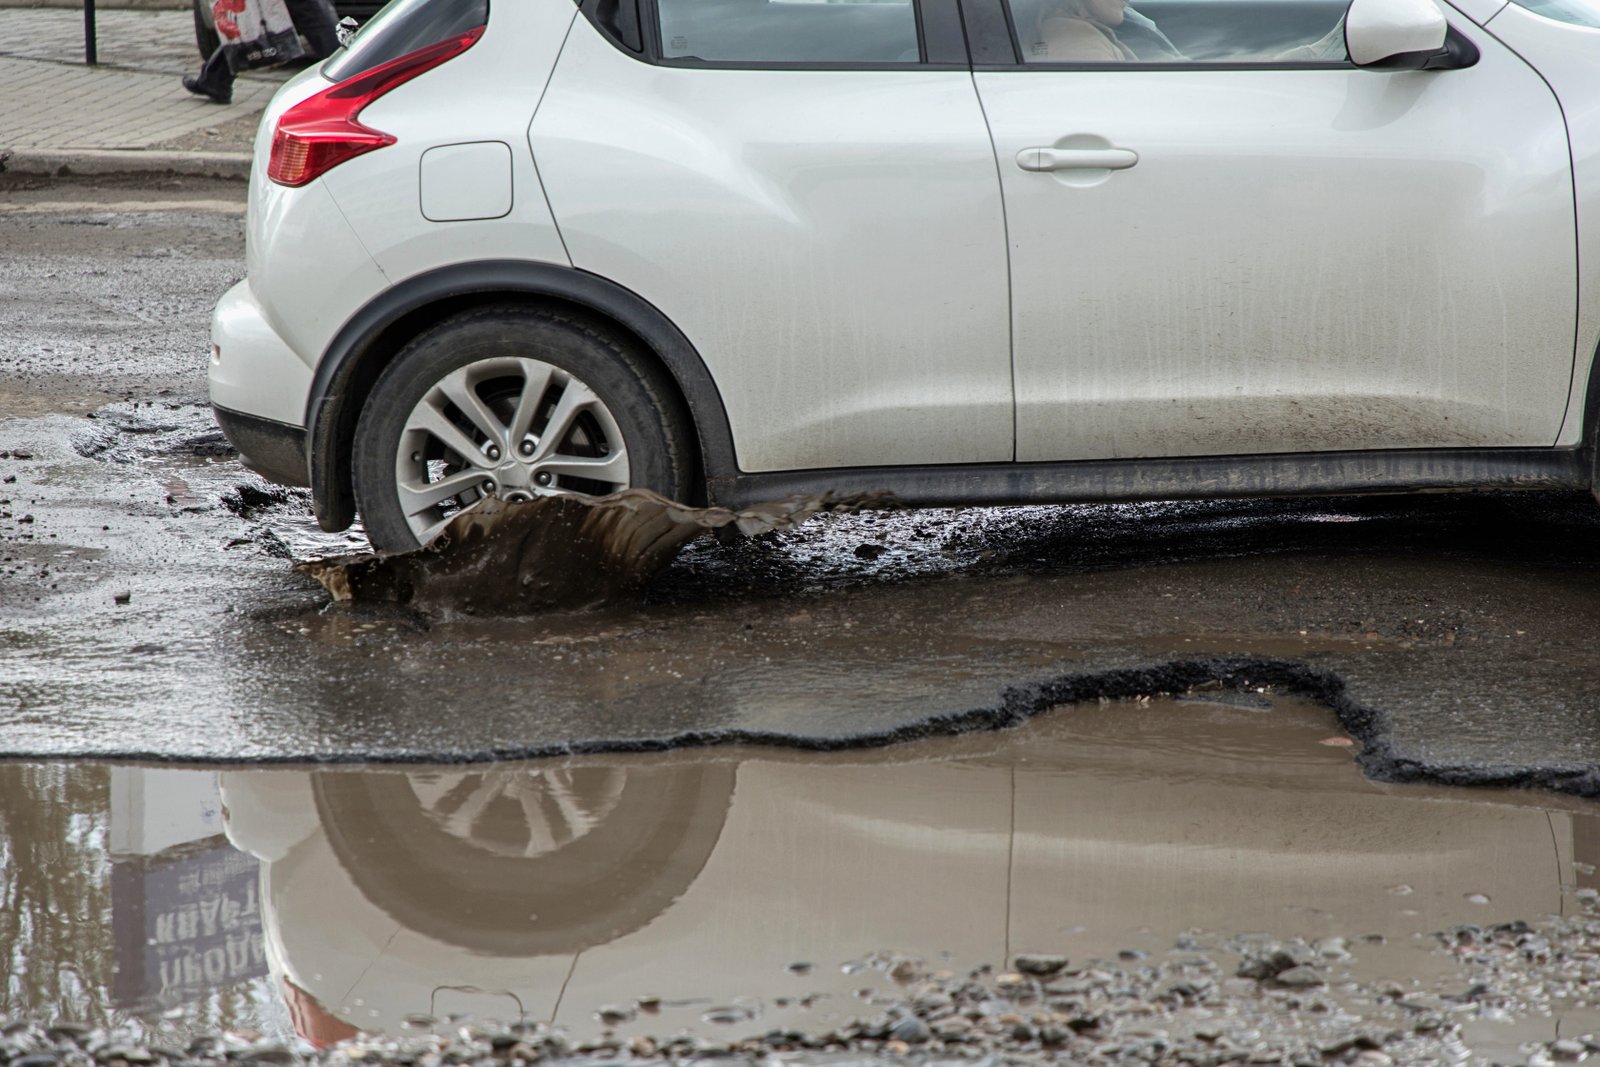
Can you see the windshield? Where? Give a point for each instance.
(1577, 12)
(402, 27)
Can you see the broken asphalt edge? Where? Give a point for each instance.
(104, 162)
(1016, 705)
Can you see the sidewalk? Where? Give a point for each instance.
(127, 115)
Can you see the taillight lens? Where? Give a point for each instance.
(322, 131)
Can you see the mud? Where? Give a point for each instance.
(1027, 894)
(148, 607)
(551, 553)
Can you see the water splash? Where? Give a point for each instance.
(552, 553)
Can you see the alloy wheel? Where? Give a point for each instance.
(514, 428)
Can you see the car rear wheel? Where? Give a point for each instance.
(515, 403)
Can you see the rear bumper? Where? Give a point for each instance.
(258, 389)
(253, 369)
(274, 450)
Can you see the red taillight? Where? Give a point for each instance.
(322, 131)
(312, 1021)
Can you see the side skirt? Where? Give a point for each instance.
(1291, 474)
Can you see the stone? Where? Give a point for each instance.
(911, 1030)
(1301, 977)
(905, 970)
(1039, 965)
(614, 1015)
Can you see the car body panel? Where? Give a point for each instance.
(486, 94)
(831, 242)
(1313, 280)
(304, 308)
(381, 210)
(252, 368)
(1479, 11)
(1300, 260)
(1568, 58)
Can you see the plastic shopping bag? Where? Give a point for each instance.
(256, 33)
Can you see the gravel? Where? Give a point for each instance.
(1245, 1000)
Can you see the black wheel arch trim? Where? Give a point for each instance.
(1589, 432)
(331, 408)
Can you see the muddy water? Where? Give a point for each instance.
(551, 553)
(750, 889)
(148, 608)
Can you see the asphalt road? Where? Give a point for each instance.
(148, 608)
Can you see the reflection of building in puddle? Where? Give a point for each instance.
(185, 913)
(543, 891)
(121, 902)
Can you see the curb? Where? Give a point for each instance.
(101, 162)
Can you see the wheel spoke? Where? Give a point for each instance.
(464, 819)
(574, 813)
(430, 419)
(496, 407)
(542, 837)
(415, 499)
(574, 398)
(612, 468)
(429, 532)
(461, 393)
(535, 380)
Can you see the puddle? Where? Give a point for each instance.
(551, 552)
(735, 892)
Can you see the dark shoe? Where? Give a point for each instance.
(216, 96)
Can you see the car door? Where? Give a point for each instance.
(807, 190)
(1226, 239)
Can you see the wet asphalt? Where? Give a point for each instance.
(148, 607)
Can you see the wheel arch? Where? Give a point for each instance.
(367, 343)
(1589, 436)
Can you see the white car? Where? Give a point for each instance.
(964, 251)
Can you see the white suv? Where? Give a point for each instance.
(965, 251)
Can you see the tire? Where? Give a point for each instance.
(629, 425)
(205, 34)
(642, 852)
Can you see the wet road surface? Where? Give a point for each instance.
(738, 892)
(149, 609)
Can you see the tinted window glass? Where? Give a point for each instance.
(1263, 32)
(402, 27)
(790, 31)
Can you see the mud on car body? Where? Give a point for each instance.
(731, 250)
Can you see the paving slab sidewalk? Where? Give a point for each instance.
(129, 114)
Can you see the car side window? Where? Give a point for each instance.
(846, 32)
(1262, 33)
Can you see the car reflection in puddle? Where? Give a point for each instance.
(393, 900)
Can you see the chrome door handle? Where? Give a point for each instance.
(1077, 158)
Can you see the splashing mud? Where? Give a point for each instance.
(552, 552)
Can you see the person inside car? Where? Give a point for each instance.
(1109, 31)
